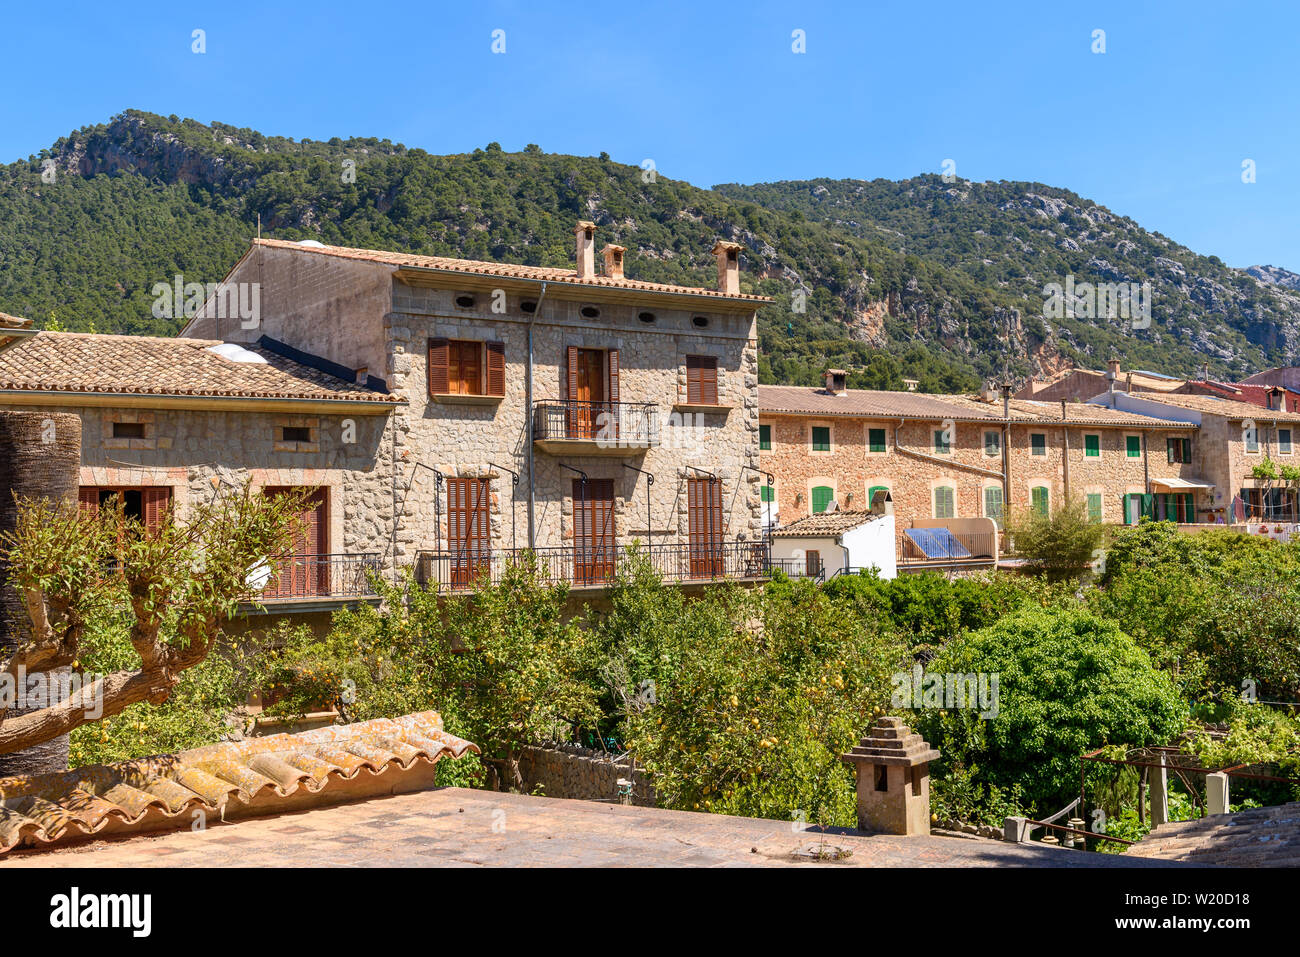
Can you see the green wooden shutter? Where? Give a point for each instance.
(1094, 507)
(993, 504)
(821, 497)
(1148, 505)
(943, 503)
(1037, 443)
(765, 437)
(1039, 500)
(941, 446)
(871, 493)
(821, 438)
(1092, 446)
(876, 440)
(767, 493)
(1133, 446)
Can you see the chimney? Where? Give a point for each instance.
(586, 248)
(1205, 372)
(728, 257)
(613, 260)
(990, 391)
(1112, 373)
(836, 381)
(911, 385)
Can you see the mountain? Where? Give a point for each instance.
(939, 282)
(1019, 237)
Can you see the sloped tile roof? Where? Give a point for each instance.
(140, 794)
(824, 523)
(502, 270)
(1230, 408)
(866, 403)
(149, 365)
(1259, 837)
(13, 322)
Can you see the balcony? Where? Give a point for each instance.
(318, 578)
(561, 426)
(581, 568)
(943, 544)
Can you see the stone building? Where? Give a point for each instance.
(568, 410)
(1233, 438)
(165, 422)
(957, 457)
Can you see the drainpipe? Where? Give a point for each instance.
(1065, 435)
(528, 424)
(1006, 450)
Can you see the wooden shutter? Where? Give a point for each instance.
(701, 380)
(572, 393)
(613, 376)
(156, 501)
(1169, 450)
(88, 500)
(593, 530)
(469, 529)
(438, 384)
(496, 368)
(704, 525)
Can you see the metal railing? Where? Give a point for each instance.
(321, 576)
(594, 567)
(613, 424)
(798, 568)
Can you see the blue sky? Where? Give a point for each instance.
(1156, 128)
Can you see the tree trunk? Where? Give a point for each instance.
(40, 457)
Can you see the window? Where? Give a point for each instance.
(992, 443)
(765, 437)
(821, 438)
(1284, 441)
(295, 433)
(1038, 443)
(875, 440)
(1178, 450)
(1094, 507)
(593, 527)
(1038, 500)
(993, 504)
(871, 493)
(1092, 446)
(701, 380)
(944, 502)
(469, 529)
(941, 444)
(589, 312)
(147, 505)
(821, 497)
(1174, 507)
(1252, 440)
(128, 430)
(767, 494)
(461, 367)
(1133, 446)
(700, 322)
(301, 573)
(1138, 506)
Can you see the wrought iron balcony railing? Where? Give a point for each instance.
(609, 425)
(578, 567)
(297, 577)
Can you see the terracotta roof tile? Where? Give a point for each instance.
(503, 270)
(825, 523)
(1259, 837)
(258, 774)
(1230, 408)
(148, 365)
(865, 403)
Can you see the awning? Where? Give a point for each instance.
(1179, 485)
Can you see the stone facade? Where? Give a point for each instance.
(912, 466)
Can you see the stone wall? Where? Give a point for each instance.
(570, 771)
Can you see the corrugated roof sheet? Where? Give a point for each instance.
(503, 270)
(824, 523)
(865, 403)
(139, 794)
(151, 365)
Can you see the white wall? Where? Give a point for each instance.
(874, 544)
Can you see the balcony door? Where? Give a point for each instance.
(593, 531)
(469, 529)
(704, 518)
(593, 393)
(304, 572)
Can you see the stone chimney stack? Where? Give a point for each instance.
(585, 234)
(836, 381)
(728, 257)
(893, 766)
(613, 260)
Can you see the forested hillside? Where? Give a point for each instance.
(917, 279)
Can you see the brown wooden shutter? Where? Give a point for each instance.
(496, 368)
(613, 376)
(709, 381)
(572, 394)
(155, 501)
(88, 500)
(693, 379)
(438, 381)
